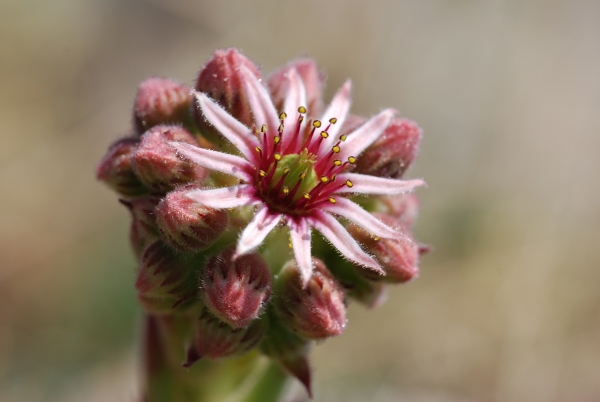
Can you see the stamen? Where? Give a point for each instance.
(352, 160)
(277, 139)
(307, 196)
(302, 175)
(282, 116)
(286, 171)
(286, 190)
(324, 179)
(343, 137)
(333, 120)
(349, 183)
(277, 156)
(262, 173)
(336, 149)
(263, 129)
(332, 200)
(258, 150)
(337, 162)
(316, 123)
(324, 134)
(302, 110)
(280, 129)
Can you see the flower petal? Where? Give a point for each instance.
(338, 108)
(256, 231)
(366, 184)
(354, 213)
(341, 239)
(215, 160)
(261, 104)
(225, 197)
(300, 234)
(295, 97)
(237, 133)
(366, 134)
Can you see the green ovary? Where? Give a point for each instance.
(301, 167)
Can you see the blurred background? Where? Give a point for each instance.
(507, 308)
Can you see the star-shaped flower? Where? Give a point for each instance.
(296, 170)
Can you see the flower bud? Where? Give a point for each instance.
(116, 171)
(398, 258)
(220, 79)
(235, 290)
(161, 101)
(143, 230)
(405, 207)
(316, 311)
(311, 77)
(166, 281)
(157, 164)
(289, 351)
(393, 153)
(186, 225)
(215, 339)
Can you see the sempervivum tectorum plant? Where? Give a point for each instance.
(220, 179)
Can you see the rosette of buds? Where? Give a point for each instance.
(227, 180)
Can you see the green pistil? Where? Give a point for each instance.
(299, 167)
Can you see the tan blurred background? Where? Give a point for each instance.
(507, 308)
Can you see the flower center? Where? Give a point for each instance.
(295, 174)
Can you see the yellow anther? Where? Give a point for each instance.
(352, 159)
(262, 173)
(277, 157)
(343, 137)
(324, 179)
(332, 200)
(280, 129)
(333, 120)
(277, 139)
(286, 190)
(282, 116)
(258, 150)
(324, 134)
(290, 245)
(316, 123)
(307, 196)
(286, 171)
(302, 175)
(263, 129)
(376, 238)
(333, 177)
(349, 183)
(337, 162)
(302, 109)
(335, 149)
(300, 119)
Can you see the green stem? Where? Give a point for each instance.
(269, 387)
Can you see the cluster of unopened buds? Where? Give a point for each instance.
(225, 183)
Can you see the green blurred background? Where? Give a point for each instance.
(507, 308)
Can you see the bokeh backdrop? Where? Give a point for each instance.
(507, 308)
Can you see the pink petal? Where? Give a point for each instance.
(341, 239)
(256, 231)
(226, 197)
(366, 134)
(300, 234)
(354, 213)
(295, 97)
(338, 108)
(261, 104)
(365, 184)
(237, 133)
(215, 160)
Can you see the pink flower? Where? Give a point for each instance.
(296, 170)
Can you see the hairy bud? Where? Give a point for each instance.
(311, 77)
(235, 290)
(289, 351)
(157, 164)
(220, 79)
(143, 230)
(161, 101)
(399, 258)
(316, 311)
(393, 153)
(166, 281)
(186, 225)
(404, 207)
(215, 339)
(115, 168)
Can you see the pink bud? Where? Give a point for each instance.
(311, 77)
(405, 207)
(220, 78)
(215, 339)
(393, 153)
(166, 281)
(116, 171)
(316, 311)
(161, 101)
(186, 225)
(236, 290)
(157, 164)
(289, 351)
(399, 258)
(143, 230)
